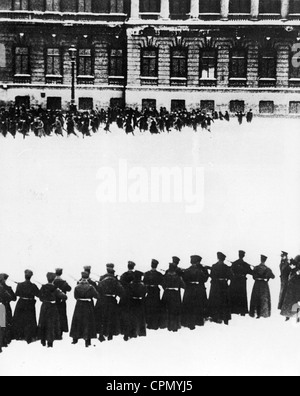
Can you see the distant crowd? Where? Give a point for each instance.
(42, 123)
(134, 302)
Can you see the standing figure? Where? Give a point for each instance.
(88, 270)
(219, 299)
(285, 271)
(107, 309)
(24, 320)
(179, 271)
(153, 279)
(249, 116)
(49, 324)
(291, 299)
(171, 300)
(5, 298)
(137, 318)
(194, 306)
(260, 304)
(126, 279)
(83, 322)
(61, 303)
(9, 316)
(238, 285)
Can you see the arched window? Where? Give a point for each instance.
(239, 6)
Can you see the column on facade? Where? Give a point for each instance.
(194, 14)
(135, 9)
(224, 9)
(254, 9)
(285, 9)
(164, 9)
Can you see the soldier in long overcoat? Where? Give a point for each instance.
(219, 298)
(238, 285)
(285, 271)
(107, 310)
(289, 307)
(5, 298)
(194, 305)
(49, 328)
(260, 305)
(153, 279)
(171, 300)
(9, 315)
(24, 320)
(61, 303)
(83, 322)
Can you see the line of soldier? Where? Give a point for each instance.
(43, 123)
(131, 304)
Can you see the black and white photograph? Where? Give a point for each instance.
(150, 190)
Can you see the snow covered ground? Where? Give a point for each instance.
(52, 215)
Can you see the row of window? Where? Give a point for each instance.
(149, 63)
(265, 106)
(178, 7)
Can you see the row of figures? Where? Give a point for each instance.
(43, 123)
(132, 303)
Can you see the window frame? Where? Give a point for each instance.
(28, 70)
(215, 62)
(183, 59)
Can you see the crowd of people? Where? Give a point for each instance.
(134, 302)
(42, 123)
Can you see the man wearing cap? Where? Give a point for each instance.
(194, 305)
(49, 323)
(291, 298)
(88, 269)
(238, 285)
(285, 271)
(109, 267)
(175, 261)
(83, 322)
(219, 302)
(61, 303)
(260, 305)
(24, 320)
(9, 316)
(153, 280)
(107, 310)
(171, 300)
(5, 298)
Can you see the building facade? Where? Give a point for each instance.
(215, 54)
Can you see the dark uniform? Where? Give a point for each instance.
(238, 286)
(136, 307)
(260, 305)
(285, 271)
(125, 280)
(61, 303)
(84, 323)
(9, 316)
(152, 280)
(5, 298)
(49, 323)
(24, 320)
(194, 306)
(292, 294)
(107, 310)
(179, 271)
(219, 299)
(171, 300)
